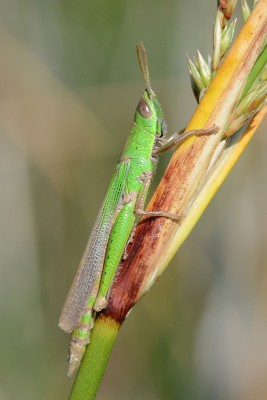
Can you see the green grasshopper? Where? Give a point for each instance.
(115, 222)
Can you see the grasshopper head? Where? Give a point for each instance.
(149, 115)
(148, 112)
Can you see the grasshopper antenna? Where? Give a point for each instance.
(143, 62)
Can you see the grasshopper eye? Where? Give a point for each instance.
(144, 109)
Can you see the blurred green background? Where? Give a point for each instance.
(69, 84)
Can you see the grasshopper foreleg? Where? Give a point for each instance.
(179, 137)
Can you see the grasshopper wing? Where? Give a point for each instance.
(91, 264)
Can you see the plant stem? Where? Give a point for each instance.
(95, 360)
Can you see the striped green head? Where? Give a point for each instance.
(148, 111)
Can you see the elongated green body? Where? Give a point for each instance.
(113, 228)
(114, 225)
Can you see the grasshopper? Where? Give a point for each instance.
(124, 199)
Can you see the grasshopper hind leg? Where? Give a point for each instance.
(81, 335)
(79, 340)
(130, 240)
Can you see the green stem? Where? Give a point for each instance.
(255, 71)
(94, 363)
